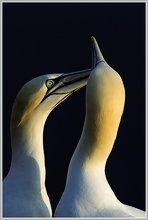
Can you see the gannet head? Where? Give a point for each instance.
(105, 97)
(105, 89)
(43, 93)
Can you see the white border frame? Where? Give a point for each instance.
(1, 89)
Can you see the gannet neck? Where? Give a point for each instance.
(87, 192)
(27, 149)
(105, 96)
(27, 136)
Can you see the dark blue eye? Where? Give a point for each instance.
(49, 83)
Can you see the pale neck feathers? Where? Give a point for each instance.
(105, 97)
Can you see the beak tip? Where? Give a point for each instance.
(96, 53)
(93, 40)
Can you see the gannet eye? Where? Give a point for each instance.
(49, 83)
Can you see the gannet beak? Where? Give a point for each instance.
(69, 78)
(97, 56)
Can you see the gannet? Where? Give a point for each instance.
(87, 192)
(24, 192)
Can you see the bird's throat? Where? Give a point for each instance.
(28, 152)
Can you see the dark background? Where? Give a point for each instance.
(41, 38)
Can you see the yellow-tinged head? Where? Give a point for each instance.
(45, 92)
(105, 97)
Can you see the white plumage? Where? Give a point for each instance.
(87, 192)
(24, 192)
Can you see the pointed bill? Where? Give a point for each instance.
(97, 56)
(72, 77)
(69, 82)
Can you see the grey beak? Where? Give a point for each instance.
(97, 56)
(72, 77)
(68, 79)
